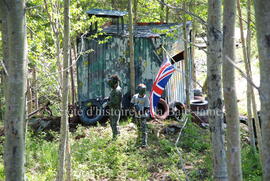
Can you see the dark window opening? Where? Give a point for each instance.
(178, 57)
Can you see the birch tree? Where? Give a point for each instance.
(186, 58)
(262, 15)
(249, 110)
(15, 90)
(64, 118)
(230, 99)
(53, 10)
(214, 60)
(193, 38)
(250, 88)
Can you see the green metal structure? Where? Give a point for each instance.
(112, 57)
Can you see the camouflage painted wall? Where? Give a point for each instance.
(113, 58)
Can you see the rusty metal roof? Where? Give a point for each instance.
(106, 13)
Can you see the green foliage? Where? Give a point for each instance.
(96, 157)
(195, 138)
(41, 157)
(107, 159)
(252, 170)
(2, 175)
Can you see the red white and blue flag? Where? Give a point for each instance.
(164, 74)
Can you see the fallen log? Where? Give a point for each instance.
(51, 123)
(45, 107)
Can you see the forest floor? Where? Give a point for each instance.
(96, 157)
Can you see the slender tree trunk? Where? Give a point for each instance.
(68, 160)
(262, 15)
(131, 49)
(214, 60)
(35, 92)
(167, 14)
(205, 86)
(250, 120)
(75, 72)
(251, 89)
(58, 60)
(16, 88)
(2, 73)
(162, 11)
(29, 97)
(72, 80)
(64, 118)
(253, 100)
(249, 34)
(2, 102)
(135, 2)
(249, 110)
(4, 29)
(113, 4)
(230, 99)
(193, 37)
(256, 116)
(55, 25)
(186, 60)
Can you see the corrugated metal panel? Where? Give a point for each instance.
(176, 86)
(82, 72)
(113, 58)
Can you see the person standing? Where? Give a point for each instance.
(140, 103)
(115, 104)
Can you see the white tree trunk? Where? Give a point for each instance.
(214, 60)
(251, 89)
(15, 91)
(64, 118)
(186, 59)
(230, 99)
(262, 15)
(248, 72)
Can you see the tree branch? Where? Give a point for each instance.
(4, 67)
(202, 21)
(242, 73)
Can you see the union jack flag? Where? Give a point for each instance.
(164, 74)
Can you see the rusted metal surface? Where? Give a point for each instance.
(112, 57)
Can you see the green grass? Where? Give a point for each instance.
(96, 157)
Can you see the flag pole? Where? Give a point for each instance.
(177, 68)
(168, 54)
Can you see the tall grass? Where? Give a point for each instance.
(96, 157)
